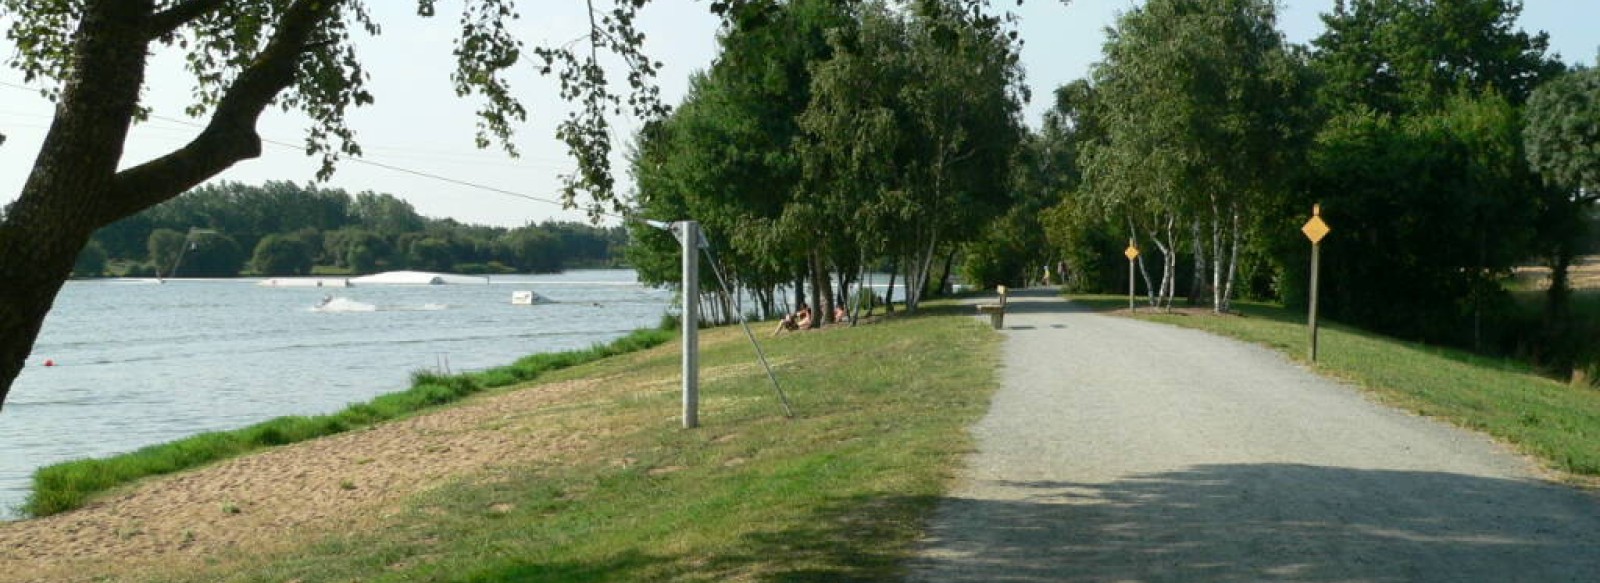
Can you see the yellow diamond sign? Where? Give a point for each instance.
(1132, 253)
(1315, 229)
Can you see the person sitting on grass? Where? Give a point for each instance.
(799, 320)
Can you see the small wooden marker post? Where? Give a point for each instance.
(1315, 229)
(1132, 253)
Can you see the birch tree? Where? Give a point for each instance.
(1197, 100)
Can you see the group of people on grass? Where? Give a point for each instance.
(801, 319)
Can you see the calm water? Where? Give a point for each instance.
(138, 364)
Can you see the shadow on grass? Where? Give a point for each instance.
(860, 539)
(621, 568)
(864, 538)
(1261, 522)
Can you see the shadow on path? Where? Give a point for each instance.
(1277, 522)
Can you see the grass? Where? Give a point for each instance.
(839, 493)
(1504, 398)
(68, 485)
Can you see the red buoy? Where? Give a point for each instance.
(48, 362)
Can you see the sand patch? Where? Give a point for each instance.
(288, 495)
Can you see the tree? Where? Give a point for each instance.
(91, 261)
(164, 246)
(247, 56)
(430, 254)
(1198, 101)
(1424, 104)
(1398, 56)
(281, 255)
(912, 126)
(728, 155)
(1563, 131)
(1562, 137)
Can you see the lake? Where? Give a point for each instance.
(137, 363)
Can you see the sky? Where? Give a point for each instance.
(418, 122)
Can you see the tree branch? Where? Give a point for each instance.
(167, 21)
(231, 135)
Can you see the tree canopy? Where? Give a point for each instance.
(245, 56)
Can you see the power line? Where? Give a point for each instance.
(368, 162)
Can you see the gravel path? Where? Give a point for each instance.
(1121, 450)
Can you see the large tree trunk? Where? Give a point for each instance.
(75, 187)
(64, 198)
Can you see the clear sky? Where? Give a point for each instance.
(419, 123)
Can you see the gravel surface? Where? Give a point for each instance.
(1122, 450)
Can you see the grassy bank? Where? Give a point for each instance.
(1551, 420)
(838, 493)
(68, 485)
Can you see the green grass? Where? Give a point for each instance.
(68, 485)
(838, 493)
(1502, 397)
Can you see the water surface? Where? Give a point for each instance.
(137, 363)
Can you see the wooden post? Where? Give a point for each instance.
(689, 235)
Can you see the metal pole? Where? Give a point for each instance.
(689, 234)
(1130, 285)
(1316, 265)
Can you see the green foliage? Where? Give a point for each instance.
(210, 255)
(359, 234)
(1563, 133)
(728, 156)
(1089, 244)
(1202, 107)
(91, 261)
(1432, 227)
(281, 255)
(911, 131)
(164, 245)
(65, 486)
(1399, 56)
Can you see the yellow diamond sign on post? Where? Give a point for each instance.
(1315, 229)
(1132, 252)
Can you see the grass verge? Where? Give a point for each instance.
(839, 493)
(1551, 420)
(68, 485)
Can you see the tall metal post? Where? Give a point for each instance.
(1316, 266)
(689, 235)
(1315, 229)
(1132, 253)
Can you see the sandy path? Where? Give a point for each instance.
(1120, 450)
(282, 496)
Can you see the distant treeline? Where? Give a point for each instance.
(281, 228)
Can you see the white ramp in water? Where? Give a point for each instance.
(416, 278)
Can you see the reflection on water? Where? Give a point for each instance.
(141, 364)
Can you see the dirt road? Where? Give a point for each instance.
(1120, 450)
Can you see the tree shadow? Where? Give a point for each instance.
(624, 567)
(1269, 522)
(855, 539)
